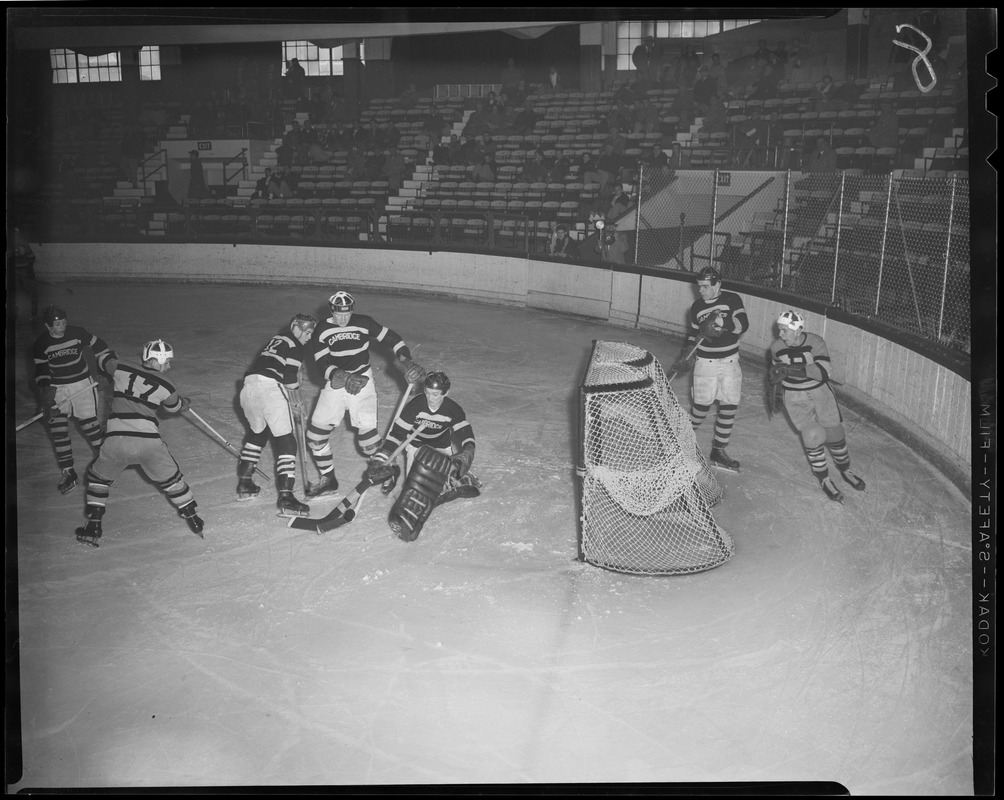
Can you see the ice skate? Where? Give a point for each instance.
(247, 489)
(327, 485)
(855, 481)
(722, 460)
(188, 513)
(827, 485)
(289, 506)
(90, 534)
(68, 482)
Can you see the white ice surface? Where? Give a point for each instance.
(835, 645)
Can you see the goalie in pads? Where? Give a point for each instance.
(437, 464)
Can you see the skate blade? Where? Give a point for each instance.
(292, 514)
(84, 539)
(243, 498)
(68, 489)
(723, 468)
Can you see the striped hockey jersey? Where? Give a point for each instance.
(809, 343)
(280, 359)
(445, 426)
(348, 347)
(138, 394)
(727, 343)
(61, 361)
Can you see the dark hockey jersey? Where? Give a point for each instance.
(348, 347)
(445, 426)
(280, 359)
(61, 361)
(139, 393)
(731, 306)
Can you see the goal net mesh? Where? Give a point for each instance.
(647, 491)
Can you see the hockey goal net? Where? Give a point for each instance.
(647, 491)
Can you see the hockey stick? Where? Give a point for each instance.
(345, 510)
(41, 414)
(299, 425)
(229, 446)
(673, 371)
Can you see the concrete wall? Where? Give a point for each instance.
(913, 395)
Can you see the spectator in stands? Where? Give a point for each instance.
(560, 244)
(133, 150)
(197, 188)
(454, 149)
(646, 60)
(766, 86)
(435, 125)
(797, 58)
(281, 185)
(441, 153)
(535, 170)
(617, 141)
(484, 172)
(716, 118)
(647, 116)
(619, 206)
(296, 79)
(558, 171)
(553, 82)
(517, 95)
(822, 94)
(884, 132)
(409, 97)
(524, 122)
(609, 168)
(356, 164)
(710, 80)
(511, 77)
(392, 170)
(262, 189)
(611, 245)
(588, 171)
(762, 51)
(688, 74)
(781, 56)
(656, 162)
(822, 158)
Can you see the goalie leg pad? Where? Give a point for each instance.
(424, 483)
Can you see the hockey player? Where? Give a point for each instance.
(133, 439)
(269, 398)
(341, 348)
(437, 463)
(62, 376)
(717, 320)
(800, 367)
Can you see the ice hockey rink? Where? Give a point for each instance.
(835, 645)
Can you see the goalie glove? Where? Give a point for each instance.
(712, 326)
(354, 383)
(460, 463)
(413, 371)
(338, 378)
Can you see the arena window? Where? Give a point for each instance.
(71, 67)
(149, 63)
(317, 61)
(631, 34)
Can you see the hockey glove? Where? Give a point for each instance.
(712, 326)
(413, 371)
(460, 463)
(186, 403)
(295, 401)
(354, 383)
(110, 365)
(378, 470)
(49, 407)
(683, 364)
(338, 379)
(778, 372)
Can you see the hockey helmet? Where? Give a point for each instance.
(52, 313)
(791, 320)
(302, 322)
(709, 274)
(341, 302)
(437, 380)
(159, 350)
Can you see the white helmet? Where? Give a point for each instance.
(791, 320)
(158, 350)
(340, 302)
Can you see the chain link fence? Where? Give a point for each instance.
(891, 247)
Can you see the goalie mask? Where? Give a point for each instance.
(791, 321)
(159, 351)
